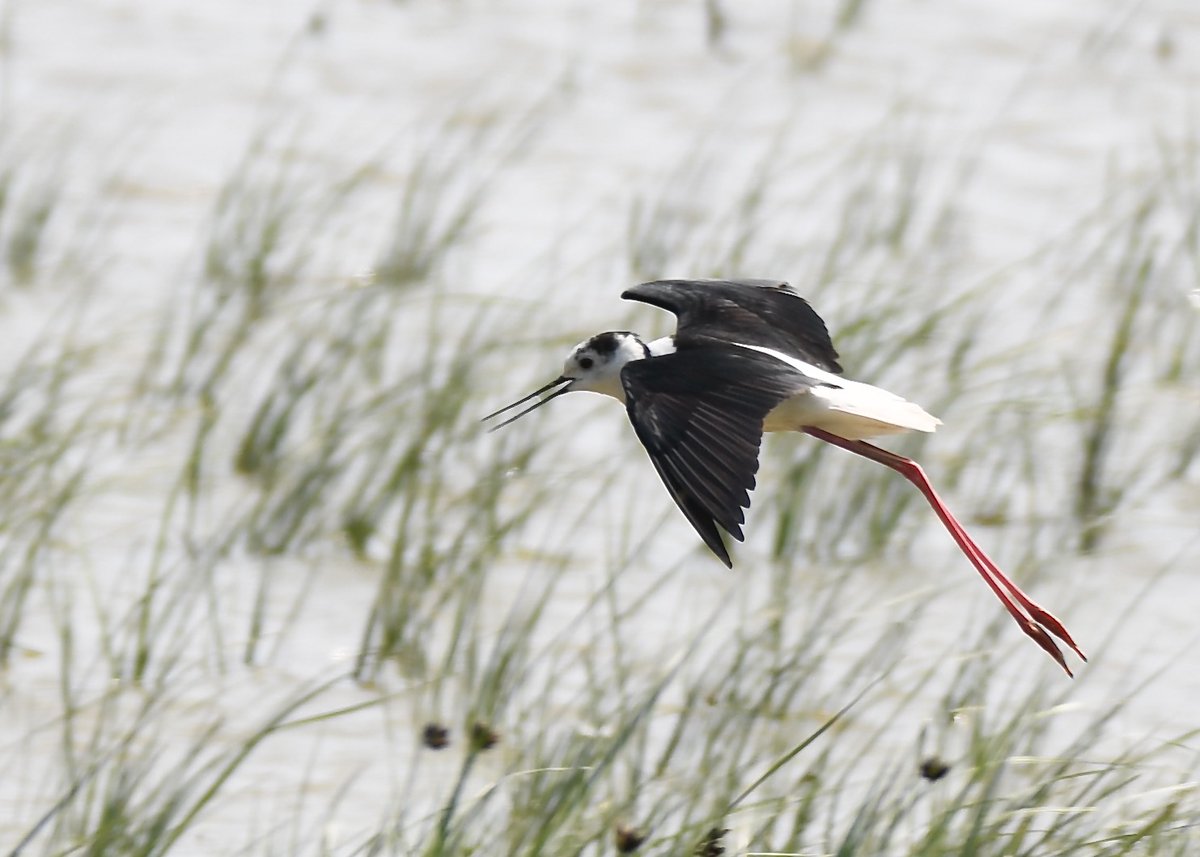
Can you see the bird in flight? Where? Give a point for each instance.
(750, 356)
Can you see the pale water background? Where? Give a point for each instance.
(1018, 127)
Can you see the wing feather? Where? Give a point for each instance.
(699, 412)
(765, 313)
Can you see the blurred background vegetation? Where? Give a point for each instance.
(267, 588)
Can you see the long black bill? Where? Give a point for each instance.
(564, 380)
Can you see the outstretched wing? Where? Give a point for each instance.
(766, 313)
(699, 412)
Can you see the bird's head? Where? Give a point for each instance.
(593, 365)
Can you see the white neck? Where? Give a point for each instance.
(659, 347)
(609, 386)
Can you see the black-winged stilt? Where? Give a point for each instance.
(750, 356)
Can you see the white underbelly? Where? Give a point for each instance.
(852, 410)
(805, 410)
(849, 409)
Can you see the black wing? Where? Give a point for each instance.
(699, 412)
(753, 312)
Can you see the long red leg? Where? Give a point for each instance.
(1034, 620)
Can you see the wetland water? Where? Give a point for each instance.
(247, 248)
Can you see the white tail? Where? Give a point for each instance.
(857, 411)
(849, 409)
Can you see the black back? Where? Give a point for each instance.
(766, 313)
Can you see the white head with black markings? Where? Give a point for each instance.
(593, 365)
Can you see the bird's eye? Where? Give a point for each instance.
(586, 362)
